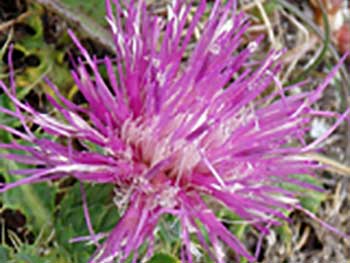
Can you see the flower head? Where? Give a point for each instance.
(174, 128)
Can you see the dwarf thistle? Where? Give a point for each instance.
(176, 127)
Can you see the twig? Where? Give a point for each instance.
(6, 44)
(330, 164)
(267, 23)
(303, 239)
(11, 22)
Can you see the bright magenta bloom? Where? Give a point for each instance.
(176, 126)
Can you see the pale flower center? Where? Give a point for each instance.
(155, 148)
(154, 143)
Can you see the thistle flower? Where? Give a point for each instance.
(176, 127)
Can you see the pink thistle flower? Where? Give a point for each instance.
(176, 131)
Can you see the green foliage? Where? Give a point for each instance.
(309, 199)
(269, 8)
(70, 221)
(36, 202)
(50, 58)
(169, 232)
(163, 258)
(95, 9)
(4, 254)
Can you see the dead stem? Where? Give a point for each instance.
(303, 239)
(11, 22)
(330, 164)
(86, 24)
(268, 24)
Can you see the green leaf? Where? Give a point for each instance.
(237, 225)
(4, 254)
(309, 199)
(163, 258)
(70, 220)
(27, 254)
(94, 9)
(169, 232)
(270, 6)
(31, 254)
(35, 201)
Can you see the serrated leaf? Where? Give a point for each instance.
(35, 201)
(70, 221)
